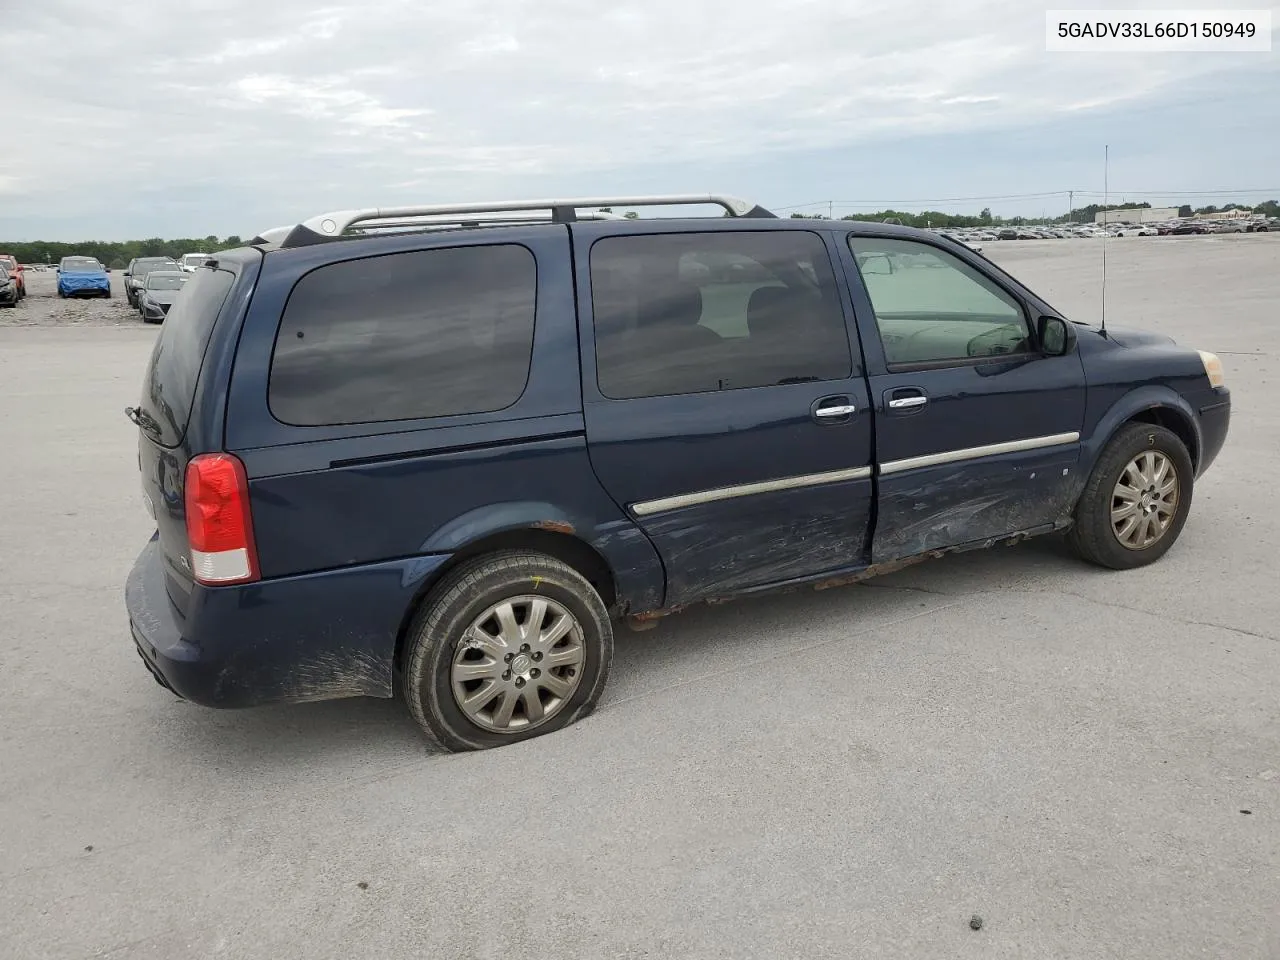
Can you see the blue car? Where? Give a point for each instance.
(83, 277)
(443, 462)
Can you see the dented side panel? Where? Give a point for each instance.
(960, 503)
(732, 545)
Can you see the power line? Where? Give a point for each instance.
(863, 203)
(1044, 195)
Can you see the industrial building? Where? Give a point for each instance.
(1137, 215)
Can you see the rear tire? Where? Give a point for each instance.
(1137, 499)
(481, 673)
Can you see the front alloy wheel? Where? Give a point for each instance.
(1145, 500)
(1136, 500)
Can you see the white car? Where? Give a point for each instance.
(190, 261)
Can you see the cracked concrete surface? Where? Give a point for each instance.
(852, 773)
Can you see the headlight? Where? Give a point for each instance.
(1213, 369)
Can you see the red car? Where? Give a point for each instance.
(15, 271)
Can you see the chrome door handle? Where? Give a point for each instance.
(907, 403)
(843, 410)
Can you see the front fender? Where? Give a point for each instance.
(1137, 401)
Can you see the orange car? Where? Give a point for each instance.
(15, 271)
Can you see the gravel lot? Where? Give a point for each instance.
(1089, 761)
(42, 307)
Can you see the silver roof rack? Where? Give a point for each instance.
(326, 226)
(478, 221)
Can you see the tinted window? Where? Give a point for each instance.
(80, 265)
(931, 306)
(170, 384)
(143, 267)
(433, 333)
(697, 312)
(161, 280)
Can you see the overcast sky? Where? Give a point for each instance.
(227, 116)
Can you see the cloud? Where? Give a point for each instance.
(279, 109)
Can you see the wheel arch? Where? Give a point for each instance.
(1158, 405)
(555, 538)
(1178, 422)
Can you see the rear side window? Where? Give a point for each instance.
(169, 387)
(431, 333)
(701, 312)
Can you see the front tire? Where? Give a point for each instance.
(508, 647)
(1136, 500)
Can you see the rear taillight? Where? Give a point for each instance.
(219, 526)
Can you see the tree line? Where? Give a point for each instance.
(936, 218)
(116, 255)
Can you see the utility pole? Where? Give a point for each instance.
(831, 209)
(1071, 206)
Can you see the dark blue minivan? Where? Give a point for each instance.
(444, 449)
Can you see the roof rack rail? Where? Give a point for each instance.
(328, 226)
(478, 221)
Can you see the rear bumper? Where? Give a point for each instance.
(319, 636)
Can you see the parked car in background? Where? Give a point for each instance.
(83, 277)
(160, 290)
(370, 470)
(16, 273)
(192, 261)
(8, 287)
(1189, 227)
(135, 274)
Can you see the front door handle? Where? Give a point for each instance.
(844, 410)
(907, 403)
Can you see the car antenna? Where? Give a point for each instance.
(1106, 163)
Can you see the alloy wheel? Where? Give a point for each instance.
(1145, 500)
(518, 664)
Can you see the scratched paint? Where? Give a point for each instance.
(647, 620)
(941, 507)
(725, 546)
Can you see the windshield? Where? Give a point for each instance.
(81, 265)
(143, 267)
(4, 272)
(165, 280)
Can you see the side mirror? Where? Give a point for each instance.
(1057, 336)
